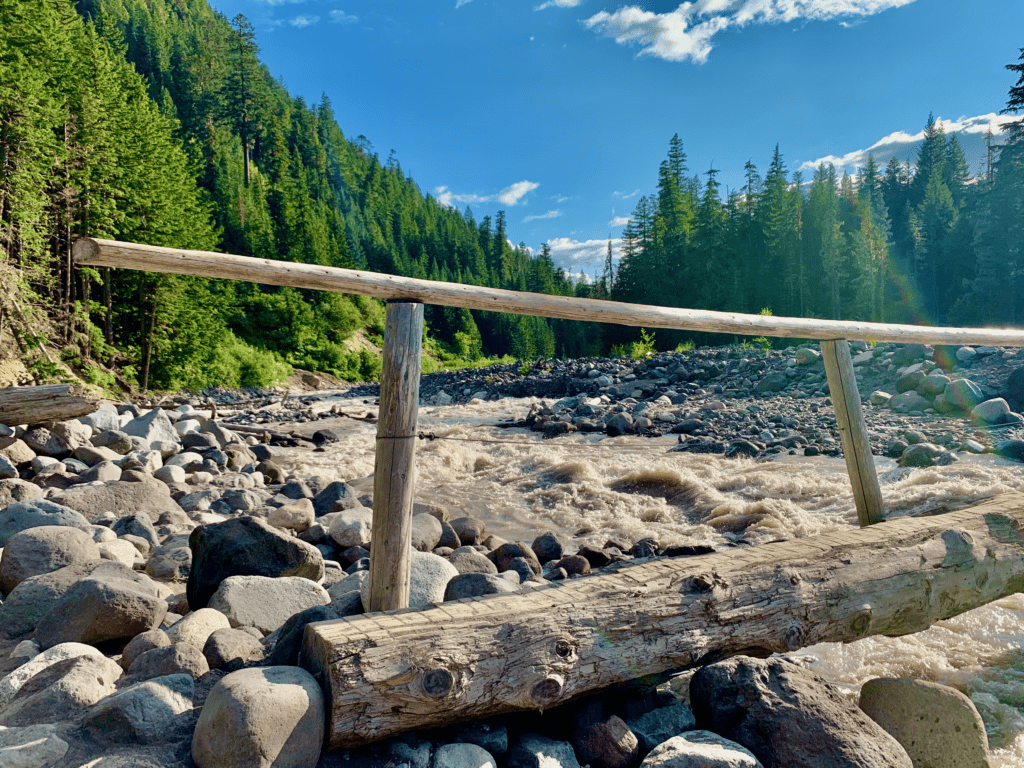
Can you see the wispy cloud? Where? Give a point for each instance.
(548, 215)
(626, 195)
(304, 21)
(460, 3)
(558, 4)
(687, 32)
(574, 255)
(893, 144)
(510, 195)
(618, 221)
(340, 17)
(281, 2)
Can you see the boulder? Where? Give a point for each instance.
(772, 382)
(470, 560)
(34, 746)
(910, 381)
(230, 647)
(993, 411)
(43, 549)
(171, 565)
(174, 659)
(60, 691)
(660, 724)
(476, 585)
(297, 516)
(788, 716)
(908, 354)
(289, 641)
(963, 394)
(151, 427)
(531, 750)
(33, 513)
(429, 575)
(547, 547)
(336, 496)
(259, 718)
(878, 397)
(352, 527)
(909, 401)
(245, 546)
(607, 744)
(152, 712)
(426, 532)
(938, 726)
(507, 552)
(14, 490)
(141, 643)
(470, 529)
(807, 356)
(121, 497)
(920, 455)
(196, 627)
(264, 602)
(104, 418)
(463, 756)
(13, 682)
(701, 749)
(932, 385)
(97, 609)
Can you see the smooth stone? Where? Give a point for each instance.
(261, 718)
(531, 750)
(12, 683)
(700, 749)
(59, 692)
(152, 426)
(151, 498)
(32, 513)
(426, 532)
(141, 643)
(230, 647)
(469, 529)
(428, 578)
(938, 726)
(661, 724)
(266, 603)
(34, 746)
(289, 641)
(352, 527)
(463, 756)
(197, 626)
(152, 712)
(43, 549)
(469, 560)
(297, 516)
(607, 744)
(174, 659)
(476, 585)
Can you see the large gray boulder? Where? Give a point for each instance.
(14, 680)
(43, 549)
(429, 575)
(60, 691)
(30, 601)
(13, 490)
(196, 627)
(531, 750)
(245, 546)
(462, 756)
(175, 659)
(261, 717)
(477, 585)
(33, 513)
(351, 527)
(938, 726)
(426, 532)
(471, 560)
(266, 603)
(152, 712)
(97, 609)
(700, 749)
(152, 426)
(963, 394)
(990, 412)
(788, 716)
(120, 497)
(34, 746)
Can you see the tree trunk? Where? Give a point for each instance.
(53, 402)
(387, 673)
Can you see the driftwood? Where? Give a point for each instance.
(386, 673)
(53, 402)
(151, 258)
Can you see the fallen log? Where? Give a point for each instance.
(386, 673)
(51, 402)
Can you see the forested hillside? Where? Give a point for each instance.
(155, 122)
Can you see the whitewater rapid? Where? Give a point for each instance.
(590, 488)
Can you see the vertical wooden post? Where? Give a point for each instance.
(842, 383)
(394, 468)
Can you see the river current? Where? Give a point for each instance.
(589, 488)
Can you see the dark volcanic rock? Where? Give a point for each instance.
(788, 716)
(506, 553)
(289, 641)
(475, 585)
(245, 546)
(547, 547)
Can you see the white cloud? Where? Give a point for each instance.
(282, 2)
(340, 17)
(619, 221)
(304, 21)
(574, 255)
(898, 141)
(687, 32)
(548, 215)
(460, 3)
(558, 4)
(510, 195)
(626, 195)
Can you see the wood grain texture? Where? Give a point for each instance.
(853, 431)
(388, 673)
(109, 253)
(394, 474)
(52, 402)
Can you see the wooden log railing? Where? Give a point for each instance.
(410, 291)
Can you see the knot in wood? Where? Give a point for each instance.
(563, 649)
(438, 683)
(861, 620)
(703, 582)
(546, 691)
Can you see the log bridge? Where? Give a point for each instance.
(393, 670)
(389, 672)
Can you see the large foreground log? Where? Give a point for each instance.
(53, 402)
(386, 673)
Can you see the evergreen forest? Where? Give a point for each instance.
(154, 121)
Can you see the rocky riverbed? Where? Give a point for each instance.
(159, 566)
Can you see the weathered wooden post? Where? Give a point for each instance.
(842, 384)
(394, 475)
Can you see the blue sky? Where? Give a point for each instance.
(560, 111)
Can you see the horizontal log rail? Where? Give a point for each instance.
(150, 258)
(387, 673)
